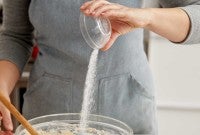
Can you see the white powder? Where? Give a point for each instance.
(88, 100)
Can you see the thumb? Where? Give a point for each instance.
(6, 117)
(113, 37)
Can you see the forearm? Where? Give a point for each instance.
(171, 23)
(9, 75)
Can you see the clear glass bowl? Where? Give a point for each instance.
(96, 31)
(60, 122)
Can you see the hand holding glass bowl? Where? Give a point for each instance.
(123, 19)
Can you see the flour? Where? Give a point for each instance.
(88, 100)
(63, 128)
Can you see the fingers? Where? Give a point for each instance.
(92, 5)
(97, 12)
(7, 121)
(89, 7)
(6, 133)
(85, 5)
(114, 14)
(113, 37)
(6, 117)
(103, 8)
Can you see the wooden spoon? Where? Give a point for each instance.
(17, 115)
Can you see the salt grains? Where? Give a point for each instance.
(88, 100)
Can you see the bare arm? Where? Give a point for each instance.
(15, 48)
(9, 74)
(171, 23)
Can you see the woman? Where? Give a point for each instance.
(124, 87)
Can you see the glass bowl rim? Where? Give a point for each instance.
(127, 128)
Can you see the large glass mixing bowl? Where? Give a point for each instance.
(58, 123)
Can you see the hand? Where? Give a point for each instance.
(5, 115)
(123, 19)
(6, 133)
(9, 75)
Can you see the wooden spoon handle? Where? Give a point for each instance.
(18, 115)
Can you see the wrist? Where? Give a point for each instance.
(4, 88)
(141, 17)
(150, 18)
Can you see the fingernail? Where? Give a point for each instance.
(82, 7)
(10, 127)
(103, 49)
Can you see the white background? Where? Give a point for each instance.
(176, 70)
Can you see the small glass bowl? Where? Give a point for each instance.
(96, 31)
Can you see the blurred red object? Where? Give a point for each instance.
(6, 133)
(35, 52)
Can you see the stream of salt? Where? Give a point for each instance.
(88, 100)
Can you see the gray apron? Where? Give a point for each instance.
(124, 88)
